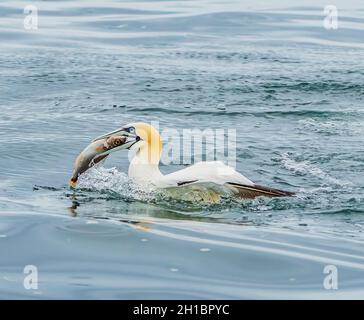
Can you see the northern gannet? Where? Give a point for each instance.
(213, 176)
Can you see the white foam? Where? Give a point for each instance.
(112, 180)
(305, 167)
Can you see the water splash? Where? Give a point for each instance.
(306, 168)
(335, 126)
(114, 182)
(113, 186)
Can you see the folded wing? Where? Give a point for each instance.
(250, 192)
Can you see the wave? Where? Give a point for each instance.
(110, 184)
(307, 168)
(115, 184)
(320, 86)
(264, 113)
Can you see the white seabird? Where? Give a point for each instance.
(208, 180)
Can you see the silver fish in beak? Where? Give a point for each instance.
(94, 153)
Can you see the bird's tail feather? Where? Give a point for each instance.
(250, 192)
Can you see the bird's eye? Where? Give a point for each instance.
(131, 130)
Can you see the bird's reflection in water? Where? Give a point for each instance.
(136, 213)
(140, 225)
(75, 204)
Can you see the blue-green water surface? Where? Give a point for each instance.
(293, 91)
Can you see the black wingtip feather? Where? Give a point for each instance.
(246, 191)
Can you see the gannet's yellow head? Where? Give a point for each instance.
(142, 137)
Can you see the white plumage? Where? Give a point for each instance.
(208, 178)
(211, 171)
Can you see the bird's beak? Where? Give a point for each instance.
(130, 141)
